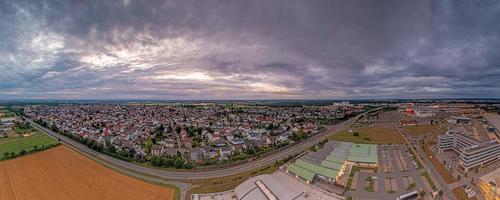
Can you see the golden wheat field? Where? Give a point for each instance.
(61, 173)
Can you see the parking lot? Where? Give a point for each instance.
(397, 174)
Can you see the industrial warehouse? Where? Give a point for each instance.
(329, 164)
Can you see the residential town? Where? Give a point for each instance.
(201, 134)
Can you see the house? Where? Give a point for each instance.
(101, 140)
(187, 141)
(238, 147)
(170, 151)
(283, 136)
(236, 141)
(116, 142)
(209, 152)
(170, 143)
(256, 144)
(213, 137)
(127, 145)
(156, 150)
(195, 155)
(271, 140)
(219, 143)
(225, 151)
(254, 136)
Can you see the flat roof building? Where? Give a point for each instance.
(330, 162)
(490, 185)
(265, 186)
(471, 153)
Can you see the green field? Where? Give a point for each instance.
(25, 143)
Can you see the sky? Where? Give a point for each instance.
(279, 49)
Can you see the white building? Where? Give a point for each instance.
(471, 153)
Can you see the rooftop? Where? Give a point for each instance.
(494, 120)
(328, 161)
(493, 176)
(257, 187)
(363, 153)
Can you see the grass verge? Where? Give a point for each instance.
(443, 172)
(228, 182)
(429, 180)
(370, 181)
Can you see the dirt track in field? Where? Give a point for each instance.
(61, 173)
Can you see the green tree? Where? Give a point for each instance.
(148, 145)
(422, 193)
(179, 162)
(111, 149)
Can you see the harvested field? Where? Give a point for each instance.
(420, 129)
(380, 133)
(61, 173)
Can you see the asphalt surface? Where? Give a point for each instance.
(444, 186)
(429, 167)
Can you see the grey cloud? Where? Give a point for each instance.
(249, 49)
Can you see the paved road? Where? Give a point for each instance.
(444, 186)
(429, 167)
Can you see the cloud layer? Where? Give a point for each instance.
(249, 49)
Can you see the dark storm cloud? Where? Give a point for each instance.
(249, 49)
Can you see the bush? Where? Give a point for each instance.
(422, 193)
(355, 134)
(22, 152)
(6, 154)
